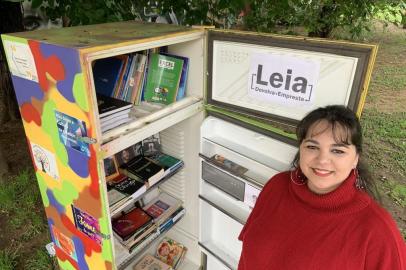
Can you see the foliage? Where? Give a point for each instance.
(41, 261)
(20, 204)
(319, 17)
(85, 12)
(8, 258)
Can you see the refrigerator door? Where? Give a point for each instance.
(276, 80)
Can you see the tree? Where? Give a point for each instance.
(11, 20)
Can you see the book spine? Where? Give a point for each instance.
(171, 221)
(130, 80)
(145, 243)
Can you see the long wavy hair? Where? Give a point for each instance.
(340, 118)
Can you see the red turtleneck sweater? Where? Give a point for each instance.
(292, 228)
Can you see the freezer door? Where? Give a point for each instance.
(279, 79)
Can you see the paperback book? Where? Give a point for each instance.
(161, 207)
(106, 74)
(183, 77)
(228, 165)
(171, 252)
(163, 78)
(151, 145)
(143, 170)
(149, 262)
(111, 106)
(128, 224)
(168, 162)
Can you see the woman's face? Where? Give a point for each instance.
(325, 162)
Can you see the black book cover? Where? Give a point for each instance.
(144, 169)
(108, 105)
(129, 186)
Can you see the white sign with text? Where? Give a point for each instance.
(283, 79)
(20, 60)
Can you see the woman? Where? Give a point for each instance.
(321, 215)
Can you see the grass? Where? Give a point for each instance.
(8, 258)
(385, 138)
(41, 261)
(21, 205)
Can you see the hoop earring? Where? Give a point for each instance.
(359, 182)
(297, 177)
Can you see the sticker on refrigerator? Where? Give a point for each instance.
(44, 160)
(87, 224)
(20, 60)
(251, 195)
(283, 79)
(71, 132)
(64, 243)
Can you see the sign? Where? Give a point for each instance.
(282, 79)
(20, 60)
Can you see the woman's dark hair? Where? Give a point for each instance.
(339, 117)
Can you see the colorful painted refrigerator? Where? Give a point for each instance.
(245, 93)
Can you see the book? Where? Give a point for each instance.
(110, 168)
(130, 223)
(122, 86)
(139, 73)
(171, 220)
(169, 163)
(171, 252)
(130, 187)
(114, 120)
(149, 262)
(106, 73)
(108, 106)
(162, 206)
(163, 78)
(140, 236)
(125, 156)
(228, 165)
(183, 76)
(144, 170)
(71, 132)
(114, 196)
(151, 145)
(124, 58)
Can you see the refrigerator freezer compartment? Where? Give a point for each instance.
(252, 145)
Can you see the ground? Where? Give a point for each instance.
(383, 120)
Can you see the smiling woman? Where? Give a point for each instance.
(320, 215)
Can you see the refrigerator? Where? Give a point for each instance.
(245, 94)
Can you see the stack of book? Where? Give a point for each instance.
(131, 227)
(112, 112)
(165, 210)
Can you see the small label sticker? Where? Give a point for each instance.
(20, 60)
(44, 160)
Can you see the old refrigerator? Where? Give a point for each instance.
(245, 93)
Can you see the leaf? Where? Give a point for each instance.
(36, 4)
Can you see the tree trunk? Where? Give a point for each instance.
(11, 20)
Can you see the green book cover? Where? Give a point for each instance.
(163, 78)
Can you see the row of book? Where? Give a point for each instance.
(168, 256)
(150, 75)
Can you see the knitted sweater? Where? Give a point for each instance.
(292, 228)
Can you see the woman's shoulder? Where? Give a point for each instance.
(278, 181)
